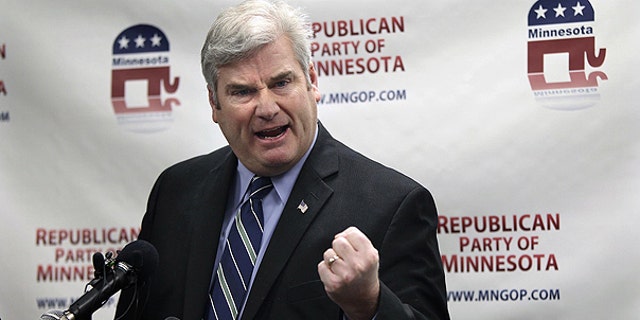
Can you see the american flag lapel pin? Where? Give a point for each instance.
(303, 207)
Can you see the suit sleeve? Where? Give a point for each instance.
(411, 273)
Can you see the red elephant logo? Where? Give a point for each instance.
(564, 28)
(141, 55)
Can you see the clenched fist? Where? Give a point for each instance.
(349, 272)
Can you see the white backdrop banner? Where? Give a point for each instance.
(522, 118)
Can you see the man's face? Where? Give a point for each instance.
(266, 110)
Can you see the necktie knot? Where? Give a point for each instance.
(259, 187)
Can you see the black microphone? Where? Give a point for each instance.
(98, 265)
(134, 264)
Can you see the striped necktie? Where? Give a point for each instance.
(236, 265)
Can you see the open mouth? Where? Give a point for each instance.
(272, 133)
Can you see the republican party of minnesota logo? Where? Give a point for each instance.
(563, 59)
(141, 84)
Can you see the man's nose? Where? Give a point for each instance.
(266, 105)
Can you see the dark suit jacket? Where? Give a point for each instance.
(341, 188)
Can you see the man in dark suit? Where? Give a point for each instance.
(343, 236)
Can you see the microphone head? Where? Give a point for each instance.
(142, 256)
(98, 259)
(52, 315)
(98, 264)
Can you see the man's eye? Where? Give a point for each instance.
(241, 92)
(281, 84)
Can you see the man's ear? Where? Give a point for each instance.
(313, 77)
(212, 103)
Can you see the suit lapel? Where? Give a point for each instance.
(205, 226)
(309, 188)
